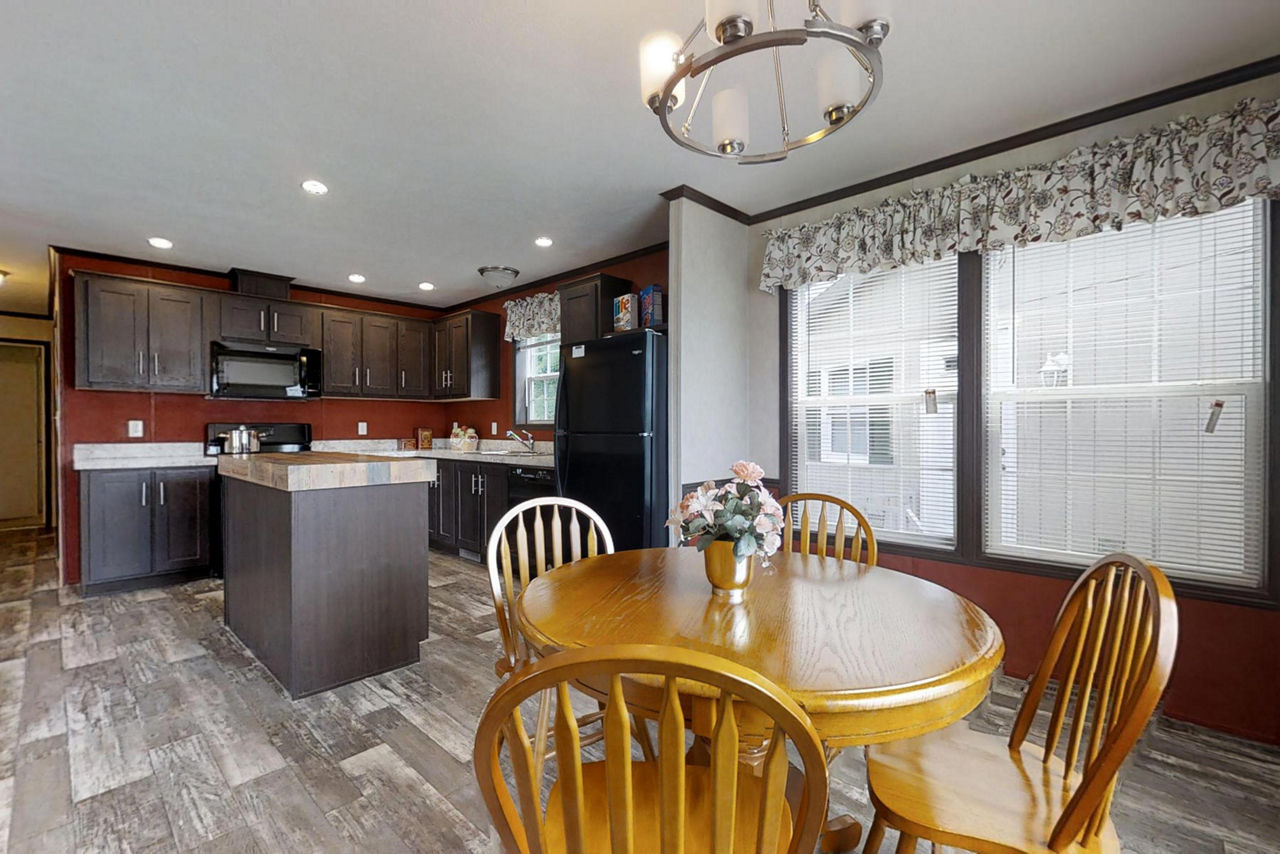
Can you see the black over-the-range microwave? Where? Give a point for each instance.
(264, 371)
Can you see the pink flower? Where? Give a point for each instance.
(747, 472)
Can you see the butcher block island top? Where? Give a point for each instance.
(308, 470)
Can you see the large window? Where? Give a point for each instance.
(1124, 395)
(537, 372)
(1039, 407)
(873, 393)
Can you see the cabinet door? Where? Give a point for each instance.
(380, 374)
(414, 354)
(470, 506)
(293, 324)
(115, 524)
(459, 356)
(112, 338)
(447, 498)
(433, 508)
(180, 528)
(341, 353)
(243, 319)
(580, 312)
(493, 490)
(440, 360)
(175, 341)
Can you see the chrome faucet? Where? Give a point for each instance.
(526, 442)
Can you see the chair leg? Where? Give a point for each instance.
(541, 734)
(906, 844)
(874, 836)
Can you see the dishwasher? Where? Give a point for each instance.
(525, 483)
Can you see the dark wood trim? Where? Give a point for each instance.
(1190, 89)
(684, 191)
(770, 483)
(50, 469)
(785, 439)
(562, 278)
(1272, 260)
(968, 441)
(26, 314)
(141, 262)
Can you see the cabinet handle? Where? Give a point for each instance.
(480, 479)
(144, 493)
(155, 364)
(275, 321)
(402, 378)
(356, 382)
(162, 493)
(262, 320)
(366, 377)
(141, 371)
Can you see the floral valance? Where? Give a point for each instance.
(1188, 167)
(532, 316)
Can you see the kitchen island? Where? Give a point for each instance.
(325, 558)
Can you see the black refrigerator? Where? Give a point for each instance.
(611, 433)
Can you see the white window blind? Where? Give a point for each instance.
(537, 374)
(864, 351)
(1104, 357)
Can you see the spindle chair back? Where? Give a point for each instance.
(806, 515)
(622, 804)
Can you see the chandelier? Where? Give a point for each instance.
(666, 63)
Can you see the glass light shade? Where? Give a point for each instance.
(721, 10)
(657, 61)
(730, 119)
(837, 80)
(855, 13)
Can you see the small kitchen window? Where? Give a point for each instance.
(537, 374)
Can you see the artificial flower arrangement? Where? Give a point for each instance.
(463, 439)
(742, 512)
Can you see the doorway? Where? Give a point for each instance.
(23, 424)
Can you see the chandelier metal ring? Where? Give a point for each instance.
(856, 41)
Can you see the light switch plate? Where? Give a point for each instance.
(493, 428)
(135, 429)
(362, 428)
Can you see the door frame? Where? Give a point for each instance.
(46, 402)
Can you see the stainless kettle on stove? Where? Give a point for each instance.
(242, 440)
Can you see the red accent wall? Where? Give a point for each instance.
(641, 272)
(1228, 661)
(101, 416)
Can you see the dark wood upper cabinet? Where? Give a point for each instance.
(466, 356)
(243, 318)
(115, 519)
(342, 349)
(586, 307)
(175, 339)
(290, 323)
(180, 530)
(413, 351)
(111, 333)
(379, 365)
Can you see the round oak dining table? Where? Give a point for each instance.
(870, 654)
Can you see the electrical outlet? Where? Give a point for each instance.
(362, 428)
(493, 428)
(135, 429)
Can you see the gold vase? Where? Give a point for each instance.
(729, 574)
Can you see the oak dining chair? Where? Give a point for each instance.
(1109, 656)
(622, 804)
(806, 514)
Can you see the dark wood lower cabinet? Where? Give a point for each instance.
(144, 523)
(466, 502)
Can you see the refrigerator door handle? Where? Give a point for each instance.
(562, 438)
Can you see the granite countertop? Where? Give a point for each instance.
(537, 461)
(309, 470)
(139, 455)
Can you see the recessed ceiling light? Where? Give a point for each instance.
(160, 242)
(4, 274)
(544, 242)
(426, 286)
(356, 279)
(314, 187)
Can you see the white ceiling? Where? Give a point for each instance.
(451, 134)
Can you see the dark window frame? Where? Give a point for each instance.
(969, 467)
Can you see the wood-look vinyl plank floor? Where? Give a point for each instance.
(136, 722)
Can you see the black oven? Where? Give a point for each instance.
(264, 371)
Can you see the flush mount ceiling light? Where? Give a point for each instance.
(499, 277)
(160, 242)
(543, 242)
(426, 286)
(846, 85)
(356, 279)
(314, 187)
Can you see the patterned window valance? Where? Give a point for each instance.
(532, 316)
(1189, 167)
